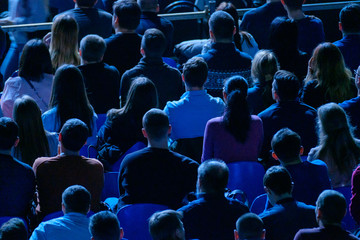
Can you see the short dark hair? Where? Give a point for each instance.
(104, 226)
(156, 123)
(278, 180)
(332, 205)
(76, 198)
(294, 4)
(249, 226)
(85, 3)
(92, 48)
(286, 85)
(153, 42)
(148, 5)
(128, 12)
(213, 176)
(13, 229)
(222, 25)
(9, 132)
(74, 134)
(350, 18)
(195, 72)
(163, 225)
(286, 144)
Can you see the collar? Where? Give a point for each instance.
(194, 93)
(151, 61)
(223, 46)
(285, 200)
(210, 196)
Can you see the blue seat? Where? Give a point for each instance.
(248, 177)
(348, 222)
(4, 219)
(137, 146)
(100, 120)
(169, 61)
(111, 185)
(134, 219)
(60, 214)
(260, 204)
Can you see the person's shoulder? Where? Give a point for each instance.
(305, 206)
(93, 162)
(191, 206)
(308, 108)
(215, 121)
(103, 13)
(348, 103)
(184, 160)
(313, 19)
(42, 161)
(307, 232)
(266, 113)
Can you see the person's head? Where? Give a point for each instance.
(350, 19)
(148, 5)
(105, 226)
(283, 37)
(286, 146)
(85, 3)
(277, 183)
(264, 66)
(249, 226)
(285, 86)
(126, 15)
(221, 27)
(195, 72)
(35, 60)
(235, 83)
(156, 125)
(8, 133)
(73, 134)
(166, 225)
(153, 43)
(77, 199)
(230, 9)
(213, 176)
(13, 229)
(357, 79)
(293, 5)
(92, 48)
(64, 41)
(330, 208)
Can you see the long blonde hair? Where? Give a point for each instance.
(64, 42)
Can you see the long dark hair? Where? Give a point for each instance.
(33, 142)
(237, 116)
(69, 96)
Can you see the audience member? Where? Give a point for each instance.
(330, 210)
(69, 100)
(263, 68)
(287, 216)
(311, 31)
(74, 224)
(64, 42)
(156, 174)
(212, 215)
(328, 80)
(337, 146)
(309, 179)
(102, 82)
(249, 226)
(13, 229)
(237, 135)
(54, 174)
(288, 112)
(105, 226)
(122, 49)
(34, 78)
(34, 140)
(166, 225)
(349, 45)
(122, 128)
(17, 179)
(166, 79)
(149, 19)
(90, 19)
(257, 21)
(189, 115)
(355, 199)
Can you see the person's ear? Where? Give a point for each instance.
(60, 137)
(236, 235)
(121, 233)
(234, 30)
(16, 142)
(169, 130)
(273, 154)
(340, 27)
(142, 52)
(212, 36)
(225, 96)
(263, 234)
(157, 8)
(144, 133)
(80, 52)
(301, 150)
(182, 77)
(63, 208)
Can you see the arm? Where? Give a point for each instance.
(355, 199)
(208, 146)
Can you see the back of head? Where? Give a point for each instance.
(92, 48)
(76, 198)
(153, 43)
(8, 133)
(74, 134)
(250, 226)
(350, 18)
(195, 72)
(148, 5)
(166, 225)
(332, 205)
(222, 25)
(264, 66)
(283, 36)
(278, 180)
(156, 124)
(128, 13)
(213, 176)
(286, 85)
(14, 229)
(294, 4)
(286, 144)
(235, 83)
(35, 60)
(332, 119)
(230, 9)
(104, 226)
(85, 3)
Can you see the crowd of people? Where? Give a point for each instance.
(267, 89)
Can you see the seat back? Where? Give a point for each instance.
(134, 219)
(100, 120)
(111, 185)
(169, 61)
(190, 147)
(348, 222)
(137, 146)
(260, 204)
(248, 177)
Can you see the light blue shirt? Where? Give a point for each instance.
(74, 226)
(189, 115)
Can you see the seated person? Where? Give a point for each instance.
(13, 229)
(166, 225)
(105, 226)
(249, 226)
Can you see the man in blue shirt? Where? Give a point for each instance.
(74, 224)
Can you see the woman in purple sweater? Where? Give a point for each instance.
(237, 135)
